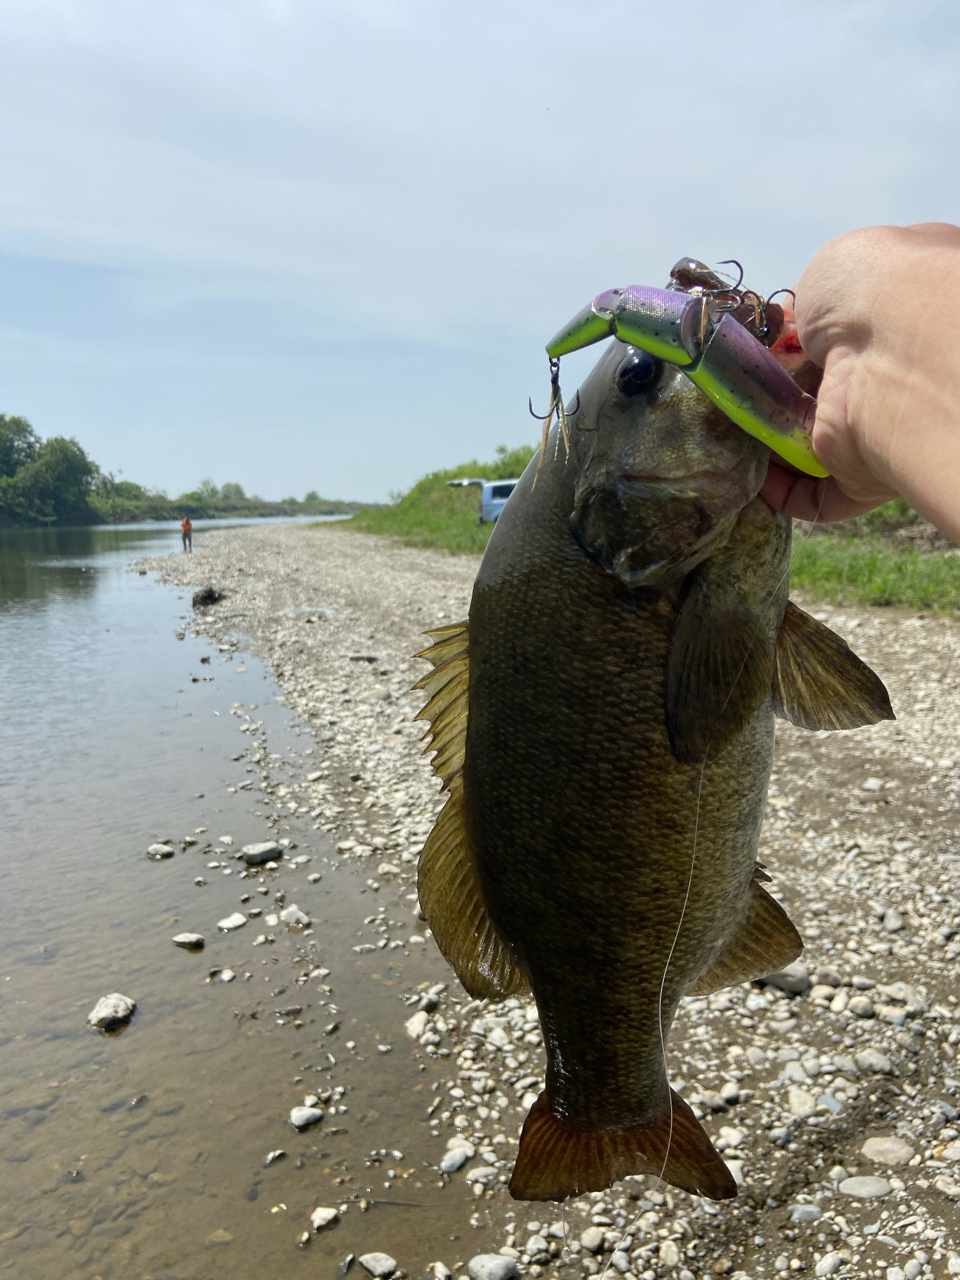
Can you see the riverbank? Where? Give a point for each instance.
(862, 838)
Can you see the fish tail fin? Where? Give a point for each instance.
(559, 1157)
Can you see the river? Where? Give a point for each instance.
(143, 1153)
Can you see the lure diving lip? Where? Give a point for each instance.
(721, 357)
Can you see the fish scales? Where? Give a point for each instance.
(622, 643)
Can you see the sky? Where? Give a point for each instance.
(320, 244)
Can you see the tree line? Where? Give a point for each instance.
(54, 482)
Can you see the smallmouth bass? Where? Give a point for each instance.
(603, 723)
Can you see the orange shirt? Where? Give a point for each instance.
(185, 525)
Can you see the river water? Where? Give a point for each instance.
(143, 1153)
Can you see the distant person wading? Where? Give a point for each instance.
(186, 532)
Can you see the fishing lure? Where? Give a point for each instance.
(698, 324)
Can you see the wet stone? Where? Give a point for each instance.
(254, 855)
(111, 1011)
(301, 1117)
(873, 1060)
(322, 1217)
(160, 851)
(231, 922)
(378, 1264)
(190, 941)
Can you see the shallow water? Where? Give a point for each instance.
(108, 745)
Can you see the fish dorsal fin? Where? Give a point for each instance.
(819, 683)
(765, 942)
(718, 673)
(447, 881)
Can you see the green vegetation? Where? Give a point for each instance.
(846, 568)
(433, 515)
(53, 482)
(867, 561)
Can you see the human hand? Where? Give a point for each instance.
(873, 310)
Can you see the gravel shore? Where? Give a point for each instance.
(833, 1090)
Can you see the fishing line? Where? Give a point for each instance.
(686, 898)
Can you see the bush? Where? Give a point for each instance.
(54, 486)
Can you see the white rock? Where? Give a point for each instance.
(828, 1264)
(499, 1039)
(440, 1271)
(806, 1212)
(388, 869)
(873, 1060)
(454, 1159)
(415, 1026)
(669, 1253)
(736, 1169)
(378, 1264)
(793, 978)
(254, 855)
(801, 1102)
(492, 1266)
(321, 1218)
(887, 1150)
(592, 1239)
(481, 1173)
(192, 941)
(231, 922)
(227, 975)
(111, 1011)
(300, 1117)
(620, 1261)
(865, 1188)
(292, 915)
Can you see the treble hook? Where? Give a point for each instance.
(776, 291)
(556, 407)
(731, 262)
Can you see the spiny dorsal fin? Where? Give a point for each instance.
(447, 880)
(819, 683)
(718, 674)
(765, 942)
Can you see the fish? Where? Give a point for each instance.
(602, 724)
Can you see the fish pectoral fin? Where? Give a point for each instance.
(447, 880)
(765, 942)
(561, 1157)
(819, 682)
(719, 672)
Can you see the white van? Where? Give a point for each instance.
(494, 493)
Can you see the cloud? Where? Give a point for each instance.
(451, 179)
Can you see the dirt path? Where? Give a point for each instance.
(862, 840)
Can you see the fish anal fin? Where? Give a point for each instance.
(766, 941)
(447, 880)
(719, 672)
(560, 1157)
(819, 682)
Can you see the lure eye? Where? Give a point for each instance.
(638, 372)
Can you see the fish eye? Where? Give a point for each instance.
(638, 371)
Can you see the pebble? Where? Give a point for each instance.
(865, 1187)
(378, 1264)
(218, 1237)
(235, 921)
(273, 1156)
(492, 1266)
(829, 1263)
(321, 1218)
(300, 1117)
(801, 1102)
(806, 1212)
(887, 1150)
(227, 975)
(455, 1159)
(254, 855)
(192, 941)
(111, 1011)
(158, 851)
(669, 1254)
(862, 1006)
(292, 915)
(592, 1239)
(794, 979)
(873, 1060)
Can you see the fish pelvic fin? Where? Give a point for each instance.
(447, 880)
(819, 682)
(718, 674)
(765, 942)
(561, 1157)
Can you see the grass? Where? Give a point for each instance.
(864, 562)
(844, 568)
(432, 515)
